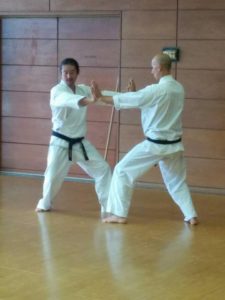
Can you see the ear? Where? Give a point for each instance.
(162, 69)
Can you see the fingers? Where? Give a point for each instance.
(131, 86)
(96, 93)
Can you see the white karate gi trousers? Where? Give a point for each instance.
(58, 166)
(137, 162)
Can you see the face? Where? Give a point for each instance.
(69, 75)
(156, 70)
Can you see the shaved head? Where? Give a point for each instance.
(161, 65)
(163, 60)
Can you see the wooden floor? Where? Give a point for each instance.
(69, 254)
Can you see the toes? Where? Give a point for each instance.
(114, 219)
(42, 210)
(193, 221)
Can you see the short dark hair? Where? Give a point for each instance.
(70, 61)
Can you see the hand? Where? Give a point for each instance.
(96, 93)
(131, 86)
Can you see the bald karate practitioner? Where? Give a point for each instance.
(161, 107)
(68, 144)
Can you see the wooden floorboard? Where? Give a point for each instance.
(69, 254)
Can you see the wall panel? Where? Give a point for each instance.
(26, 104)
(204, 114)
(90, 27)
(204, 143)
(26, 130)
(201, 4)
(201, 25)
(208, 173)
(28, 78)
(130, 135)
(131, 50)
(134, 25)
(29, 52)
(87, 5)
(29, 28)
(29, 70)
(102, 113)
(96, 53)
(97, 134)
(202, 54)
(23, 157)
(24, 5)
(130, 117)
(202, 84)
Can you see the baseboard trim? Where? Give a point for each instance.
(145, 185)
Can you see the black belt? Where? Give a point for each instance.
(72, 141)
(163, 142)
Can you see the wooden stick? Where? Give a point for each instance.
(111, 123)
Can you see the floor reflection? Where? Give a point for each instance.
(114, 241)
(48, 261)
(130, 266)
(175, 251)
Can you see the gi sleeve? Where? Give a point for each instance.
(139, 99)
(109, 93)
(62, 98)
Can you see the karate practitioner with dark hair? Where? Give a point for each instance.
(68, 144)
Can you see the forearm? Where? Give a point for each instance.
(65, 100)
(86, 101)
(106, 99)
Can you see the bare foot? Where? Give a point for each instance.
(42, 210)
(114, 219)
(193, 221)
